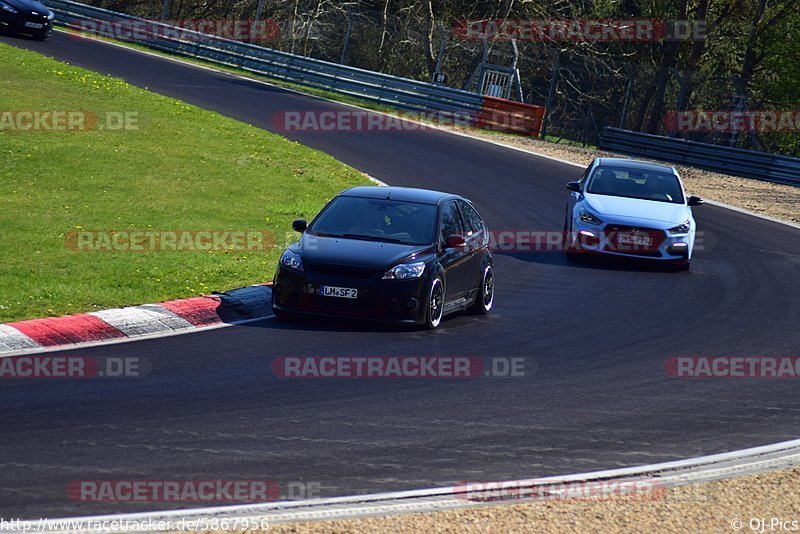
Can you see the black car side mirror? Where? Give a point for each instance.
(695, 201)
(299, 225)
(574, 186)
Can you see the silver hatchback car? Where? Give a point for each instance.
(631, 208)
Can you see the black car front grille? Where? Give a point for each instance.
(341, 271)
(364, 306)
(20, 19)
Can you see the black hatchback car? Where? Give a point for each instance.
(26, 16)
(390, 254)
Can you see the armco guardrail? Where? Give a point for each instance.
(380, 88)
(735, 161)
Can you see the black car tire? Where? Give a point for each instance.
(435, 303)
(484, 300)
(282, 316)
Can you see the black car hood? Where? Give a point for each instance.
(28, 6)
(357, 252)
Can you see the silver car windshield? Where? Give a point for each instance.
(636, 183)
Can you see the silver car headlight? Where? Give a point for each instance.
(405, 271)
(681, 228)
(590, 218)
(292, 260)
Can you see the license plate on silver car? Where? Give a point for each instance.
(342, 292)
(636, 240)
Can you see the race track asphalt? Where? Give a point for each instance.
(594, 338)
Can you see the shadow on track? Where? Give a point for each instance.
(593, 261)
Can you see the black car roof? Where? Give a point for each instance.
(405, 194)
(634, 164)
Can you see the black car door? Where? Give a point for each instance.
(454, 260)
(477, 242)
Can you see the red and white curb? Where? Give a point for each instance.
(135, 322)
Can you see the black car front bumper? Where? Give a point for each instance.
(390, 301)
(36, 24)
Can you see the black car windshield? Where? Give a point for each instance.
(377, 219)
(636, 183)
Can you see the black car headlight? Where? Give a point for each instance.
(681, 228)
(405, 271)
(51, 15)
(292, 260)
(589, 217)
(8, 7)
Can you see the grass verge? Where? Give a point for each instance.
(183, 169)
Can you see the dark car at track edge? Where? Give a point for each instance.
(28, 17)
(389, 254)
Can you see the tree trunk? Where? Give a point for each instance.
(384, 31)
(430, 58)
(668, 55)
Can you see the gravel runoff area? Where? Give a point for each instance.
(766, 502)
(765, 198)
